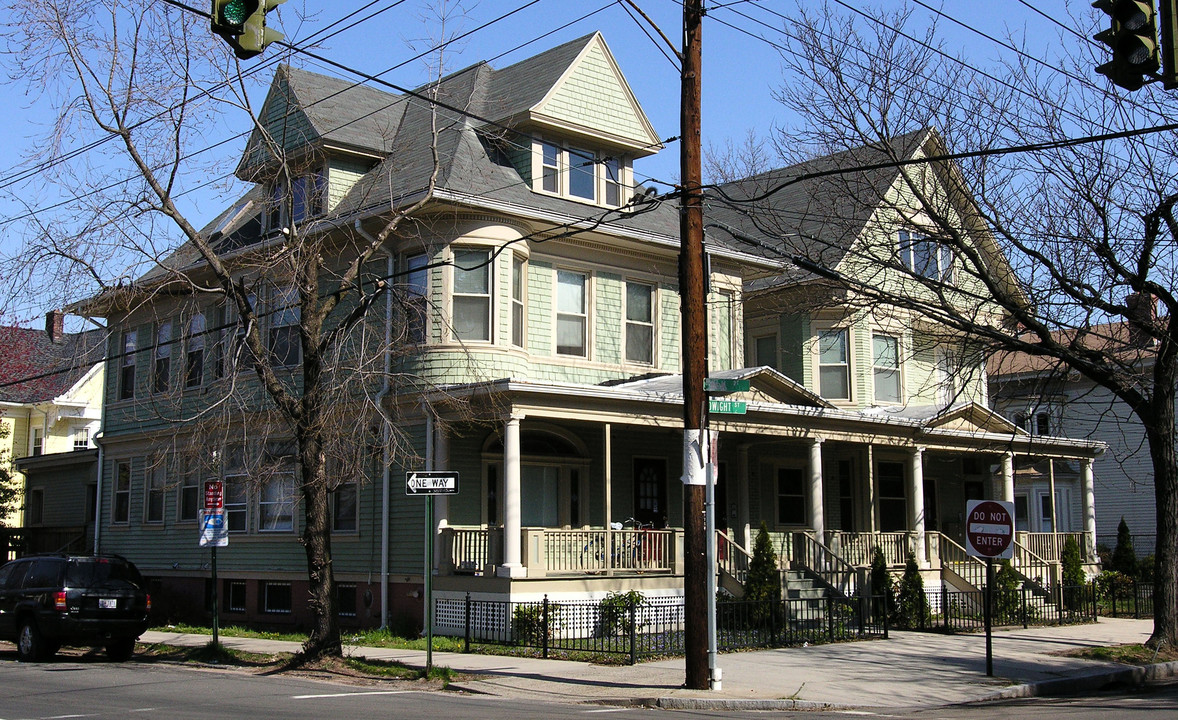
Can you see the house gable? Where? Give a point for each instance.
(593, 99)
(972, 417)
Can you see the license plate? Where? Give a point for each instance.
(108, 603)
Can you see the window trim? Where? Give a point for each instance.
(585, 314)
(610, 173)
(155, 484)
(266, 607)
(487, 297)
(333, 498)
(120, 507)
(416, 297)
(161, 366)
(129, 357)
(35, 506)
(80, 433)
(804, 496)
(519, 301)
(847, 364)
(650, 324)
(286, 314)
(195, 344)
(940, 257)
(36, 441)
(877, 369)
(755, 351)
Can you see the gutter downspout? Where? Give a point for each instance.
(386, 435)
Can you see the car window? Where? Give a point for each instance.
(44, 573)
(7, 571)
(93, 572)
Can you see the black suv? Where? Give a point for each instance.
(50, 601)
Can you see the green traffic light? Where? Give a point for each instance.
(233, 13)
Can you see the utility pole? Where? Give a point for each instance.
(693, 307)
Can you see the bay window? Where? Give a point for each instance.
(472, 295)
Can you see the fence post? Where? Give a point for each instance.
(1023, 592)
(945, 606)
(544, 625)
(633, 632)
(466, 629)
(885, 617)
(1136, 605)
(1095, 610)
(830, 618)
(864, 604)
(773, 621)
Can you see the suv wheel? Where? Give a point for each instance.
(30, 646)
(120, 649)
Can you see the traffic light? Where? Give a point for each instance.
(243, 25)
(1133, 37)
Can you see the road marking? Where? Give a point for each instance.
(353, 694)
(606, 710)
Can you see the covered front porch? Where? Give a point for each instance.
(574, 492)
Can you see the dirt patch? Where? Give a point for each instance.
(1126, 654)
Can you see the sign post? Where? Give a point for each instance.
(989, 534)
(430, 483)
(214, 533)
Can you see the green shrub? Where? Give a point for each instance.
(614, 611)
(1145, 569)
(883, 593)
(527, 623)
(912, 608)
(1124, 559)
(1112, 585)
(763, 585)
(1007, 599)
(1073, 575)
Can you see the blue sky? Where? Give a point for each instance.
(740, 71)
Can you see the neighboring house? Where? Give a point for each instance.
(546, 364)
(51, 387)
(1044, 398)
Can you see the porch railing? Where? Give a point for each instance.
(858, 548)
(469, 550)
(555, 551)
(1042, 576)
(817, 558)
(956, 559)
(1049, 546)
(732, 558)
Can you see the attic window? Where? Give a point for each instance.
(925, 257)
(305, 198)
(579, 173)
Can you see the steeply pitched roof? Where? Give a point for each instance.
(35, 369)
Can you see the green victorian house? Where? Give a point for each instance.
(539, 330)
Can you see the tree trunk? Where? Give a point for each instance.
(1161, 434)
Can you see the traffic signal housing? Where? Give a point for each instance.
(243, 25)
(1132, 35)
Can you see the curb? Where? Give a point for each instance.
(1078, 684)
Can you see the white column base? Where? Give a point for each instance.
(511, 571)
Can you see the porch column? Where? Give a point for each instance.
(1008, 477)
(1088, 488)
(441, 502)
(608, 466)
(816, 494)
(916, 505)
(743, 521)
(511, 567)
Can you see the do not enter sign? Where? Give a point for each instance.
(989, 530)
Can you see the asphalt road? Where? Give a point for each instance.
(92, 688)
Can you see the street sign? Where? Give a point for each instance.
(728, 407)
(214, 495)
(431, 482)
(726, 385)
(989, 528)
(214, 530)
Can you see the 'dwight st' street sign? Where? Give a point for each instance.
(431, 482)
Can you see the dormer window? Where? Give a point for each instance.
(926, 258)
(580, 173)
(305, 198)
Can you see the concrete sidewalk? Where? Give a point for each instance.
(907, 670)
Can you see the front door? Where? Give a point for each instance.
(650, 491)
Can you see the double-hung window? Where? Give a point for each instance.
(191, 500)
(926, 258)
(791, 496)
(639, 323)
(344, 506)
(121, 507)
(276, 501)
(613, 181)
(834, 368)
(153, 495)
(194, 359)
(582, 174)
(236, 490)
(886, 364)
(38, 442)
(82, 438)
(572, 319)
(416, 295)
(550, 157)
(285, 313)
(519, 274)
(127, 365)
(765, 351)
(163, 357)
(472, 294)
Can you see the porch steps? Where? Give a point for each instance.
(799, 587)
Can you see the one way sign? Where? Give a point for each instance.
(431, 482)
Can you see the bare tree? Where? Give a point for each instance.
(152, 81)
(1087, 230)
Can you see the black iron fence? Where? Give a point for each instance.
(1127, 599)
(948, 610)
(647, 627)
(635, 627)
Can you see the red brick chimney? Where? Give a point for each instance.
(1143, 310)
(55, 325)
